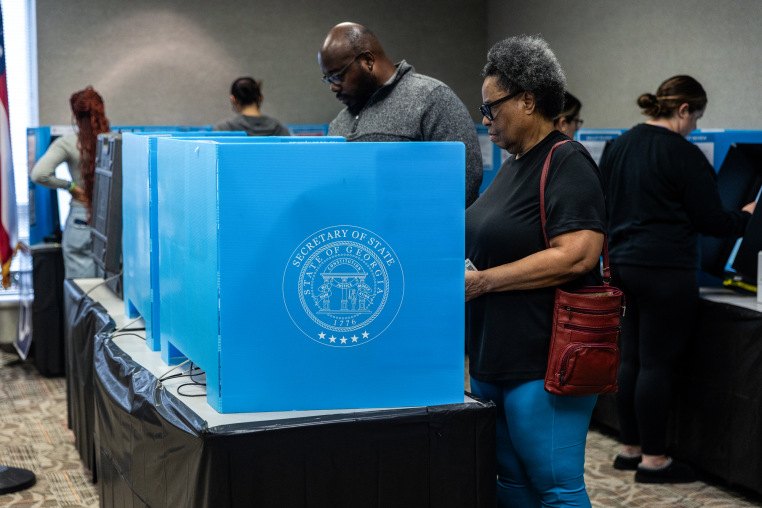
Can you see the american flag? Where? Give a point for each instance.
(8, 224)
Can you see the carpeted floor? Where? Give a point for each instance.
(34, 435)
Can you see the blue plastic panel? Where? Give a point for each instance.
(43, 205)
(140, 241)
(161, 128)
(140, 228)
(715, 143)
(315, 275)
(318, 129)
(492, 157)
(595, 140)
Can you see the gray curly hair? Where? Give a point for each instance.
(527, 63)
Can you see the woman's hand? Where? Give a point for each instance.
(750, 207)
(78, 193)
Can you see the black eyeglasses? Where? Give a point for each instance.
(336, 78)
(485, 109)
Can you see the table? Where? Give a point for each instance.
(83, 318)
(158, 448)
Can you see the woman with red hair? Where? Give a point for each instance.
(78, 151)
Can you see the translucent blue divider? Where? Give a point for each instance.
(314, 275)
(140, 222)
(715, 143)
(43, 202)
(140, 248)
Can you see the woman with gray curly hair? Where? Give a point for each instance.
(540, 437)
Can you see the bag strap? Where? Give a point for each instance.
(543, 182)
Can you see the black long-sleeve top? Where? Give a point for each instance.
(662, 192)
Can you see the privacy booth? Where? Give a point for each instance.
(319, 286)
(327, 275)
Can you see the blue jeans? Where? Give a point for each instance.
(540, 444)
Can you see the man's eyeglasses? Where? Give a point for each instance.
(336, 78)
(485, 109)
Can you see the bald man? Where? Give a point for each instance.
(391, 102)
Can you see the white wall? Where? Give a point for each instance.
(614, 50)
(172, 61)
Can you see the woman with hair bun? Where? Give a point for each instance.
(662, 193)
(246, 99)
(78, 151)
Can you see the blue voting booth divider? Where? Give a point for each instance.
(161, 128)
(492, 157)
(314, 275)
(140, 247)
(141, 229)
(596, 140)
(44, 219)
(317, 129)
(715, 143)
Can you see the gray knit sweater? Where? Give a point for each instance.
(414, 107)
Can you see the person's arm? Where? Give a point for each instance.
(446, 119)
(571, 255)
(44, 171)
(704, 206)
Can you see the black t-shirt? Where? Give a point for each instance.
(662, 192)
(508, 332)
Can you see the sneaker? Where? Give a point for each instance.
(626, 463)
(672, 472)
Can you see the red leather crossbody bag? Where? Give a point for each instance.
(584, 352)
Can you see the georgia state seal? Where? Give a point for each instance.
(343, 286)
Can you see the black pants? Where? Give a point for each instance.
(661, 312)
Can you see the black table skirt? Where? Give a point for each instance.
(153, 450)
(83, 318)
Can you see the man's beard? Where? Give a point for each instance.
(368, 84)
